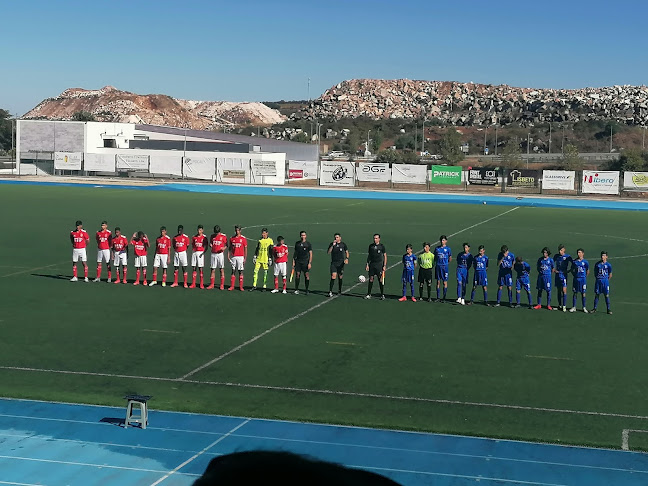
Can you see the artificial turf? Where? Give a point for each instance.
(405, 365)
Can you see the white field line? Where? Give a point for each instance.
(314, 307)
(198, 454)
(161, 330)
(33, 269)
(74, 463)
(19, 484)
(333, 392)
(548, 357)
(629, 256)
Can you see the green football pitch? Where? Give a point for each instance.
(498, 372)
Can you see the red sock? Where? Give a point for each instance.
(125, 270)
(175, 277)
(233, 280)
(193, 278)
(241, 281)
(184, 277)
(213, 279)
(284, 283)
(85, 272)
(155, 274)
(276, 283)
(137, 275)
(144, 273)
(99, 271)
(222, 282)
(74, 270)
(109, 274)
(202, 281)
(164, 276)
(117, 272)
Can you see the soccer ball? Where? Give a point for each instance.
(484, 202)
(362, 279)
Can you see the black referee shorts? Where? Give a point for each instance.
(301, 266)
(425, 275)
(375, 269)
(337, 267)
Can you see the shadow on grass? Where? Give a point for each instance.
(57, 276)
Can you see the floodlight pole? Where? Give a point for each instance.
(423, 138)
(643, 139)
(549, 137)
(610, 137)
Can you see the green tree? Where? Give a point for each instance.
(353, 142)
(5, 130)
(450, 147)
(83, 116)
(301, 137)
(511, 155)
(409, 157)
(405, 142)
(389, 156)
(633, 159)
(376, 141)
(571, 160)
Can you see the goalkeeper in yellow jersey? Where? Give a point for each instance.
(262, 258)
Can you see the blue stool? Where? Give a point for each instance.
(142, 418)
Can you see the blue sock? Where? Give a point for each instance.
(539, 297)
(510, 292)
(412, 288)
(596, 297)
(565, 299)
(517, 298)
(607, 301)
(574, 300)
(458, 290)
(405, 288)
(485, 295)
(583, 299)
(530, 299)
(445, 292)
(438, 291)
(499, 295)
(548, 298)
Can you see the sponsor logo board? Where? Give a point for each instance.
(559, 179)
(601, 182)
(484, 177)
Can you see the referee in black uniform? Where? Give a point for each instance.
(339, 257)
(376, 265)
(302, 259)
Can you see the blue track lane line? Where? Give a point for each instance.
(499, 200)
(80, 444)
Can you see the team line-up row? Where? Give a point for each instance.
(432, 263)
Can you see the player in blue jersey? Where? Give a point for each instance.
(603, 273)
(580, 271)
(480, 263)
(561, 266)
(505, 261)
(545, 268)
(464, 262)
(409, 267)
(522, 270)
(442, 257)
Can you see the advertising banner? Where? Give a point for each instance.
(162, 164)
(635, 180)
(601, 182)
(236, 171)
(99, 162)
(445, 174)
(302, 169)
(521, 178)
(199, 168)
(409, 173)
(559, 179)
(337, 173)
(373, 172)
(483, 177)
(132, 162)
(68, 160)
(264, 167)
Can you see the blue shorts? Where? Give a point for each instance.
(561, 280)
(462, 275)
(408, 276)
(579, 286)
(602, 287)
(441, 273)
(505, 280)
(522, 284)
(544, 283)
(480, 280)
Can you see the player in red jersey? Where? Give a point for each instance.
(218, 244)
(141, 244)
(162, 256)
(103, 236)
(119, 248)
(238, 256)
(199, 244)
(79, 238)
(180, 244)
(279, 257)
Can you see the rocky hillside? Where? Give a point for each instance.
(477, 104)
(111, 104)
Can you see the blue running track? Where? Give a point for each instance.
(62, 444)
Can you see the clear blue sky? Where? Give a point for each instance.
(266, 50)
